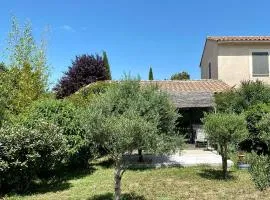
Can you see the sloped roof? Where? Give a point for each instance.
(238, 38)
(175, 86)
(191, 93)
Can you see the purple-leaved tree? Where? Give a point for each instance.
(85, 69)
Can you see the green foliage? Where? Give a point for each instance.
(250, 93)
(225, 129)
(107, 65)
(3, 67)
(126, 118)
(25, 79)
(254, 115)
(228, 102)
(150, 75)
(264, 129)
(180, 76)
(84, 96)
(127, 99)
(65, 115)
(26, 154)
(260, 170)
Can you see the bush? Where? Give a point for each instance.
(65, 115)
(26, 154)
(84, 96)
(260, 170)
(254, 115)
(224, 130)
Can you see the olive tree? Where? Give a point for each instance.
(124, 119)
(224, 129)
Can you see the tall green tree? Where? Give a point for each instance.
(150, 75)
(107, 65)
(180, 76)
(224, 129)
(27, 74)
(126, 118)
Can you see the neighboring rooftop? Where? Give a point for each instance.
(238, 38)
(174, 86)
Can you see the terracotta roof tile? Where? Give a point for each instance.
(174, 86)
(238, 38)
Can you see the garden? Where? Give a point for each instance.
(71, 142)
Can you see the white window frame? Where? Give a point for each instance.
(250, 62)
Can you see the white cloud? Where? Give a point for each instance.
(67, 28)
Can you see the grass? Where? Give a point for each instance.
(159, 184)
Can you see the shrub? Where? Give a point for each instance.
(253, 115)
(26, 154)
(260, 170)
(65, 115)
(223, 130)
(84, 96)
(249, 94)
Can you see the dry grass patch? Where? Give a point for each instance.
(153, 184)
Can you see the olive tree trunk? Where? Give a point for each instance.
(224, 155)
(117, 180)
(140, 155)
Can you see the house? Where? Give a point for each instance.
(233, 59)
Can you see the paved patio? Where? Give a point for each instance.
(186, 158)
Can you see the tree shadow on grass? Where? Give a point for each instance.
(125, 196)
(54, 183)
(215, 174)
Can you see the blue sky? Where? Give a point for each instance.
(166, 34)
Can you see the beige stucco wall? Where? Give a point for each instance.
(234, 62)
(209, 55)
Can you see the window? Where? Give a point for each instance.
(260, 64)
(209, 70)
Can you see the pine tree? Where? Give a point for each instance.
(107, 65)
(151, 76)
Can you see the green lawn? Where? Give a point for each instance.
(164, 184)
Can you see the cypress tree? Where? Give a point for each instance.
(107, 65)
(151, 76)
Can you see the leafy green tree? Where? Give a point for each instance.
(107, 65)
(223, 130)
(150, 75)
(126, 118)
(238, 100)
(26, 77)
(180, 76)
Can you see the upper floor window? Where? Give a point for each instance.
(209, 70)
(260, 64)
